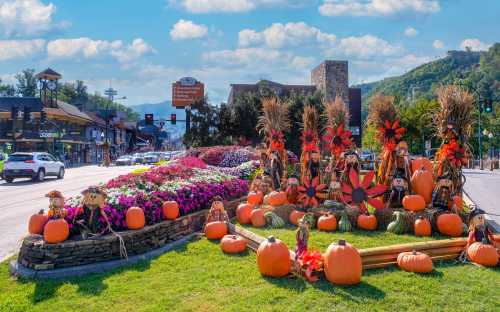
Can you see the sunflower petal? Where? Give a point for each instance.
(377, 190)
(368, 178)
(354, 178)
(378, 204)
(362, 207)
(395, 125)
(347, 198)
(346, 188)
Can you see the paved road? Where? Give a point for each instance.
(483, 187)
(22, 198)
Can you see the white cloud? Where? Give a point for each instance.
(411, 32)
(363, 47)
(245, 56)
(438, 44)
(16, 49)
(377, 7)
(231, 6)
(279, 35)
(89, 48)
(26, 17)
(474, 44)
(184, 29)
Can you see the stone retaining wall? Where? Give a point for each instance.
(38, 255)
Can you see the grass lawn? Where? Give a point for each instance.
(320, 240)
(199, 277)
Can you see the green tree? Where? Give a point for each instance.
(204, 125)
(27, 83)
(7, 90)
(369, 140)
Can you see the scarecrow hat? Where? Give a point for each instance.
(475, 212)
(54, 194)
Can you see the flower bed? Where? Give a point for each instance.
(188, 181)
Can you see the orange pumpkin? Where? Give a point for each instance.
(483, 254)
(420, 162)
(56, 231)
(422, 227)
(367, 222)
(135, 218)
(170, 210)
(37, 222)
(243, 213)
(414, 202)
(412, 261)
(273, 258)
(458, 201)
(257, 218)
(233, 244)
(215, 230)
(275, 198)
(450, 224)
(422, 183)
(327, 223)
(295, 217)
(342, 264)
(255, 198)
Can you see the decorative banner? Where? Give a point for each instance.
(186, 91)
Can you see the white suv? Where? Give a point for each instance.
(32, 165)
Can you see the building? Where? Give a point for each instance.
(331, 77)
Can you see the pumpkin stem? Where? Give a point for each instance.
(41, 211)
(341, 242)
(271, 239)
(414, 252)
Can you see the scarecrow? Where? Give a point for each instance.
(273, 123)
(383, 116)
(302, 238)
(292, 191)
(453, 124)
(56, 204)
(310, 156)
(350, 161)
(399, 189)
(217, 211)
(88, 220)
(443, 192)
(479, 230)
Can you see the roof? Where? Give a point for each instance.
(7, 102)
(73, 110)
(98, 120)
(49, 73)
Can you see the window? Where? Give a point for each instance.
(20, 157)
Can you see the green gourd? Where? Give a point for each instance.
(344, 223)
(466, 229)
(310, 220)
(397, 226)
(274, 220)
(333, 204)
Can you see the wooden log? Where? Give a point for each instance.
(389, 263)
(253, 240)
(392, 249)
(392, 257)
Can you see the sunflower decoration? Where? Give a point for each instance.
(310, 192)
(362, 193)
(390, 134)
(455, 153)
(277, 141)
(309, 141)
(274, 122)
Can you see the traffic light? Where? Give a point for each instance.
(488, 106)
(149, 119)
(43, 116)
(13, 112)
(27, 114)
(173, 119)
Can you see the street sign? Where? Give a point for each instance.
(186, 91)
(44, 134)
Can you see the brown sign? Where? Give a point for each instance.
(187, 91)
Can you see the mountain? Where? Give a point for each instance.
(480, 69)
(162, 111)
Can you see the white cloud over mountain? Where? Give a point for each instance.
(474, 44)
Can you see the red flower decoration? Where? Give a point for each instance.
(361, 194)
(338, 140)
(391, 134)
(311, 261)
(276, 140)
(309, 191)
(455, 153)
(309, 141)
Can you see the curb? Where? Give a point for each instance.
(17, 269)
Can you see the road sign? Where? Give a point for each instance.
(186, 91)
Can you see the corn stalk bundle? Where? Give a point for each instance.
(336, 113)
(310, 140)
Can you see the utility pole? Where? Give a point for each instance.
(110, 92)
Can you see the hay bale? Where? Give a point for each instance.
(284, 211)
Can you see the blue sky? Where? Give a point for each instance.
(143, 46)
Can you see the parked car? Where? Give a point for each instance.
(151, 158)
(32, 165)
(138, 158)
(125, 160)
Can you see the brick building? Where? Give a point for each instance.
(331, 77)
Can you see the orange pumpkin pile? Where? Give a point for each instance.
(422, 183)
(233, 244)
(215, 230)
(295, 216)
(257, 218)
(135, 218)
(412, 261)
(422, 227)
(275, 198)
(244, 212)
(255, 198)
(273, 258)
(342, 264)
(450, 224)
(37, 222)
(56, 231)
(367, 222)
(414, 202)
